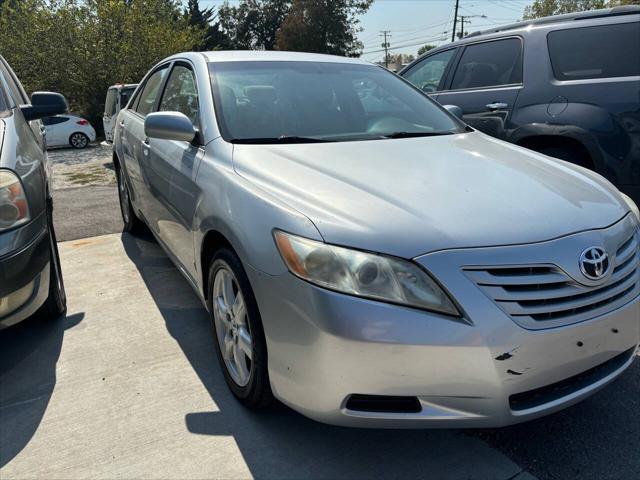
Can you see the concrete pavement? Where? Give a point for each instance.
(128, 386)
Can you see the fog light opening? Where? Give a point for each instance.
(383, 404)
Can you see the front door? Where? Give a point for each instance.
(486, 83)
(175, 165)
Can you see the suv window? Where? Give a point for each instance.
(110, 102)
(427, 75)
(150, 91)
(181, 94)
(489, 64)
(125, 95)
(595, 52)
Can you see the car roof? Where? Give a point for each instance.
(494, 33)
(266, 56)
(604, 12)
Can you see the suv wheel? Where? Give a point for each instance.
(240, 344)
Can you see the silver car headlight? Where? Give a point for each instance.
(14, 209)
(368, 275)
(632, 206)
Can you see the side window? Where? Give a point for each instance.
(125, 95)
(48, 121)
(149, 94)
(489, 64)
(595, 52)
(427, 75)
(15, 90)
(110, 102)
(181, 94)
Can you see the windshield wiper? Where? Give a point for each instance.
(283, 139)
(415, 134)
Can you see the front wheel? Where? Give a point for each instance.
(78, 140)
(241, 347)
(56, 303)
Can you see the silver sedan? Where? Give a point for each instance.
(366, 257)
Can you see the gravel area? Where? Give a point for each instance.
(91, 166)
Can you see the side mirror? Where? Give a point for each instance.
(44, 104)
(454, 110)
(169, 126)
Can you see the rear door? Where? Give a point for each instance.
(135, 144)
(485, 83)
(175, 164)
(110, 112)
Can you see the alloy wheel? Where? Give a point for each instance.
(232, 326)
(79, 140)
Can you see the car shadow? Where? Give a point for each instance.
(281, 443)
(29, 352)
(597, 438)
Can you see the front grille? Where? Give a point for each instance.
(542, 296)
(563, 388)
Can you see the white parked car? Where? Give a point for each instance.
(68, 130)
(117, 98)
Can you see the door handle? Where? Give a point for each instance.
(496, 106)
(122, 124)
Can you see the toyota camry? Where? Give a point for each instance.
(366, 257)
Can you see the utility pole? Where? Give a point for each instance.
(386, 45)
(455, 19)
(465, 19)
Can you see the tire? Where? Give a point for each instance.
(131, 221)
(252, 388)
(55, 305)
(78, 140)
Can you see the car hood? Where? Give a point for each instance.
(408, 197)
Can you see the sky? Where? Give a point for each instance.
(414, 23)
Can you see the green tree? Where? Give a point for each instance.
(212, 37)
(323, 26)
(425, 48)
(253, 24)
(546, 8)
(80, 47)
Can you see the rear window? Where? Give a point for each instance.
(595, 52)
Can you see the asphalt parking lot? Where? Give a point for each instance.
(128, 386)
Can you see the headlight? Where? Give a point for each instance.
(632, 206)
(14, 209)
(363, 274)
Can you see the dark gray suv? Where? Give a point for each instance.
(567, 86)
(30, 274)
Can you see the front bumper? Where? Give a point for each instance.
(487, 371)
(24, 280)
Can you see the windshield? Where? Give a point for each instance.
(264, 102)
